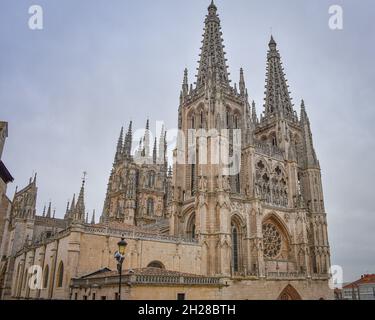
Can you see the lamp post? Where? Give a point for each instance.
(120, 257)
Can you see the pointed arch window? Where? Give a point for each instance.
(150, 207)
(60, 275)
(45, 276)
(191, 233)
(151, 179)
(235, 248)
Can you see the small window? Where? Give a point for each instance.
(116, 295)
(104, 298)
(75, 296)
(181, 296)
(93, 296)
(84, 297)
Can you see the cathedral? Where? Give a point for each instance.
(239, 215)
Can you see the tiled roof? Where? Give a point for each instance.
(142, 272)
(365, 279)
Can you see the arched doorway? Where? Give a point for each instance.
(289, 293)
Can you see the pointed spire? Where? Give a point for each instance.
(119, 145)
(93, 217)
(49, 210)
(54, 213)
(310, 155)
(161, 156)
(79, 212)
(128, 141)
(73, 203)
(146, 140)
(212, 65)
(254, 113)
(87, 217)
(44, 211)
(67, 211)
(242, 83)
(34, 181)
(272, 44)
(185, 84)
(277, 100)
(154, 152)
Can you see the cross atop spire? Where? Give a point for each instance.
(212, 65)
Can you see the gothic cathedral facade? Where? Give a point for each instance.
(257, 227)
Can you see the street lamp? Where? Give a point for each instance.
(120, 257)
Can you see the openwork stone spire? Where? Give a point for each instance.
(277, 101)
(311, 158)
(119, 145)
(212, 64)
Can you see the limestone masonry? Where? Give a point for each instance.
(193, 232)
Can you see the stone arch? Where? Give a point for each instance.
(276, 238)
(191, 226)
(238, 232)
(60, 275)
(289, 293)
(186, 218)
(274, 217)
(156, 264)
(46, 277)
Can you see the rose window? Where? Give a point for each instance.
(271, 241)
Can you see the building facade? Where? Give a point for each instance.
(239, 216)
(361, 289)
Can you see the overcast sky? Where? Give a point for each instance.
(67, 90)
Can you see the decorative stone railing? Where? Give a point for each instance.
(146, 279)
(320, 276)
(139, 235)
(285, 275)
(269, 150)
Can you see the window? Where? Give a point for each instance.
(116, 296)
(93, 296)
(60, 275)
(192, 179)
(271, 241)
(235, 256)
(103, 298)
(191, 234)
(150, 207)
(84, 297)
(45, 278)
(24, 280)
(75, 296)
(156, 264)
(151, 179)
(180, 296)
